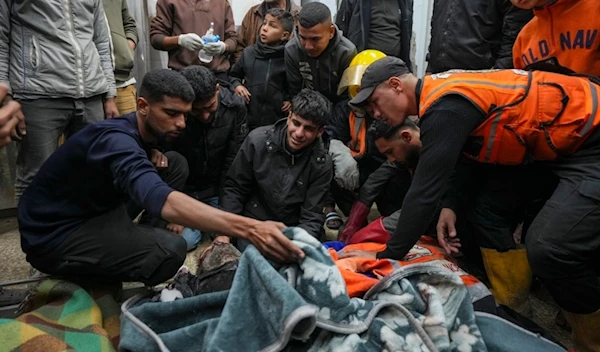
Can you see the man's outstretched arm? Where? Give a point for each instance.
(266, 236)
(135, 175)
(445, 129)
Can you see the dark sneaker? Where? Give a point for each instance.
(9, 297)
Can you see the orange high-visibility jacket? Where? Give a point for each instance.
(358, 134)
(426, 250)
(568, 31)
(529, 115)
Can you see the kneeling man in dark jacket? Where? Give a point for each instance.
(283, 171)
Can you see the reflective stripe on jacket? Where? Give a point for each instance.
(358, 135)
(532, 115)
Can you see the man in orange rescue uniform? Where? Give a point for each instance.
(507, 117)
(562, 32)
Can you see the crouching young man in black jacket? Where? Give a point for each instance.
(283, 171)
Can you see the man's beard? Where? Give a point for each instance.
(412, 157)
(211, 118)
(161, 138)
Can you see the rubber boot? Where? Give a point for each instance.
(356, 220)
(374, 232)
(510, 277)
(585, 330)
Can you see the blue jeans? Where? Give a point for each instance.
(191, 236)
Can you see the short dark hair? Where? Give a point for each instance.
(159, 83)
(312, 106)
(380, 129)
(285, 18)
(202, 80)
(314, 13)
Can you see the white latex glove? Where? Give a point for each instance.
(345, 167)
(190, 41)
(214, 49)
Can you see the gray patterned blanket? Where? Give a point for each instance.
(305, 307)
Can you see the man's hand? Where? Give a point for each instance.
(110, 108)
(214, 49)
(131, 44)
(190, 41)
(243, 92)
(21, 129)
(345, 167)
(11, 117)
(175, 228)
(266, 236)
(287, 106)
(18, 132)
(446, 231)
(358, 254)
(159, 160)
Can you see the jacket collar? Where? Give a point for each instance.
(264, 51)
(552, 3)
(418, 90)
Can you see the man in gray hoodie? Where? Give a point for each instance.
(55, 57)
(318, 54)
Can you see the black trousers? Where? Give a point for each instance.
(111, 247)
(563, 240)
(506, 196)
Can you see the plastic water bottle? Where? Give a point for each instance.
(209, 37)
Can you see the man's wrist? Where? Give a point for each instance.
(243, 227)
(8, 98)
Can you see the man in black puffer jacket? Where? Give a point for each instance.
(474, 34)
(384, 25)
(318, 54)
(215, 129)
(283, 171)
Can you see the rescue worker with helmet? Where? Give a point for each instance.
(353, 151)
(507, 117)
